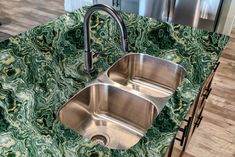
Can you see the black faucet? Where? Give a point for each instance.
(88, 54)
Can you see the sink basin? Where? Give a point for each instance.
(109, 115)
(117, 109)
(153, 76)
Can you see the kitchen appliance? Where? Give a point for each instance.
(195, 13)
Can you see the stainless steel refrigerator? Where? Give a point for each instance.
(195, 13)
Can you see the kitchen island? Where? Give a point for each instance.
(43, 67)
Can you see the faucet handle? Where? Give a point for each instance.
(95, 54)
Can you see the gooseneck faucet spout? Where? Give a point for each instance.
(100, 7)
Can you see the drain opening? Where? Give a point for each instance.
(99, 139)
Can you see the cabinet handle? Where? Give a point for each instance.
(117, 4)
(216, 66)
(185, 131)
(113, 3)
(207, 93)
(199, 121)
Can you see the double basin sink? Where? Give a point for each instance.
(118, 107)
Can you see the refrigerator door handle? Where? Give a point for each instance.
(168, 9)
(173, 5)
(171, 10)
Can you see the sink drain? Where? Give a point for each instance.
(99, 139)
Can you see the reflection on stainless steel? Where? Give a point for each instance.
(204, 10)
(186, 12)
(150, 75)
(208, 9)
(116, 17)
(157, 9)
(109, 115)
(130, 6)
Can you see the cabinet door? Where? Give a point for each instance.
(130, 6)
(116, 4)
(205, 92)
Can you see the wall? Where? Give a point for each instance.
(234, 22)
(227, 14)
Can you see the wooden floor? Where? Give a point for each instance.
(216, 135)
(18, 16)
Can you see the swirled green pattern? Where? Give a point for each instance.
(43, 67)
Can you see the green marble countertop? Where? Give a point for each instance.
(43, 67)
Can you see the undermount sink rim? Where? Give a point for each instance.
(145, 54)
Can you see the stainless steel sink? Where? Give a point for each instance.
(119, 106)
(152, 76)
(109, 115)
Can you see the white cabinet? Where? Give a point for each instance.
(130, 6)
(116, 4)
